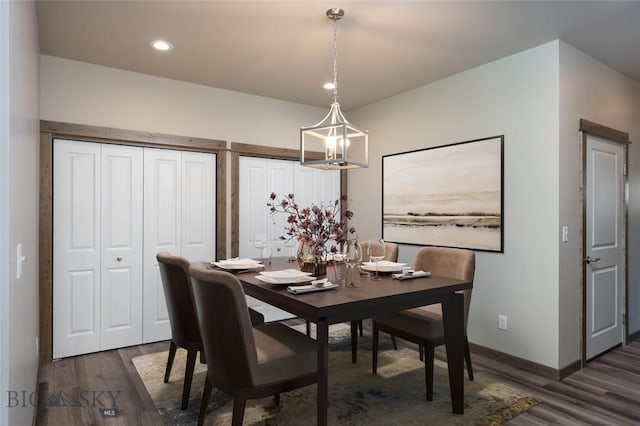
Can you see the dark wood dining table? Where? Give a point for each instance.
(368, 299)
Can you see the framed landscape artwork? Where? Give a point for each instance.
(448, 196)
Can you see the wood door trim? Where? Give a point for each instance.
(50, 130)
(605, 132)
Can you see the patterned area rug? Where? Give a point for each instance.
(396, 395)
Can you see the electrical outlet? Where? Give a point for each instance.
(502, 322)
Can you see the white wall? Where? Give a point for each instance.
(19, 185)
(591, 90)
(78, 92)
(516, 96)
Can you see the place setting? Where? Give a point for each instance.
(297, 282)
(238, 265)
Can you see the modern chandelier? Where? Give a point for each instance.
(334, 143)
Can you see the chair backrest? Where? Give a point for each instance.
(449, 262)
(176, 282)
(390, 250)
(226, 328)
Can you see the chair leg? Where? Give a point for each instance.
(467, 358)
(428, 366)
(276, 399)
(188, 376)
(239, 403)
(360, 327)
(354, 342)
(394, 342)
(206, 394)
(203, 357)
(421, 351)
(374, 349)
(172, 355)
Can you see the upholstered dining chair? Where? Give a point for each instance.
(424, 325)
(390, 254)
(246, 362)
(185, 332)
(390, 250)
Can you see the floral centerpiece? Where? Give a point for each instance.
(313, 227)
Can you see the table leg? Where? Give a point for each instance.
(322, 336)
(453, 319)
(354, 342)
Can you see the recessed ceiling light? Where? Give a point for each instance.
(161, 45)
(329, 86)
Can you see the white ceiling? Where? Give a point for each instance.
(283, 49)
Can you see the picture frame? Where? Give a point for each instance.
(450, 195)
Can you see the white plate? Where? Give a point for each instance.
(285, 281)
(383, 266)
(238, 265)
(285, 273)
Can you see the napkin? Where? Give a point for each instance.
(411, 274)
(311, 288)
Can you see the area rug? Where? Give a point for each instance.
(394, 396)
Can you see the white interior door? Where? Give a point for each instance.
(121, 230)
(76, 248)
(198, 206)
(604, 234)
(258, 178)
(162, 232)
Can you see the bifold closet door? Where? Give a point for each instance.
(180, 218)
(76, 248)
(162, 222)
(97, 256)
(121, 264)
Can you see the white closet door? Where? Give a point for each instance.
(198, 206)
(121, 283)
(319, 187)
(258, 178)
(162, 231)
(313, 186)
(76, 248)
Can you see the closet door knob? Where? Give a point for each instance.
(119, 258)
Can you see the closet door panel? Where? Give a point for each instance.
(319, 187)
(121, 225)
(162, 231)
(76, 248)
(259, 177)
(253, 197)
(198, 206)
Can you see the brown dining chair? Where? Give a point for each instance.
(424, 325)
(185, 333)
(246, 362)
(390, 254)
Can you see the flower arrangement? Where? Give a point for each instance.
(313, 226)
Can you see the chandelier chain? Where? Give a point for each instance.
(335, 60)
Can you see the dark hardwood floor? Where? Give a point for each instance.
(607, 392)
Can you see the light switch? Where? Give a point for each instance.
(565, 234)
(19, 261)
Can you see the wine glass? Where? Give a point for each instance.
(352, 257)
(376, 252)
(260, 242)
(290, 244)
